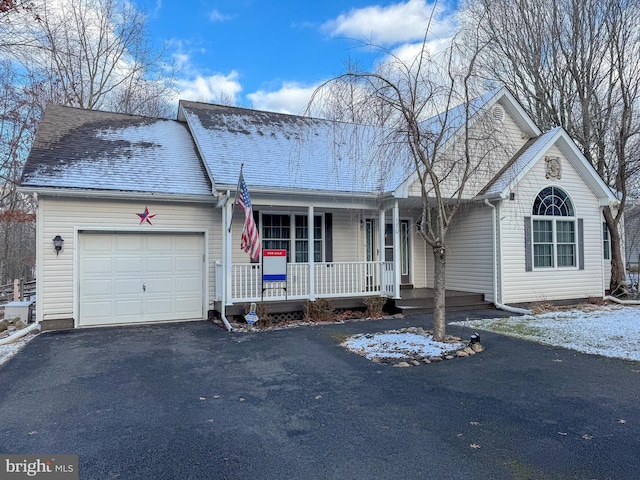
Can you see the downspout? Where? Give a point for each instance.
(34, 327)
(613, 299)
(494, 234)
(226, 227)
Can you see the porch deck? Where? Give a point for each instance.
(413, 301)
(420, 300)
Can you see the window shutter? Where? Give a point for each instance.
(528, 260)
(328, 237)
(581, 243)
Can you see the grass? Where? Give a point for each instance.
(509, 327)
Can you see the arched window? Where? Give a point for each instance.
(553, 230)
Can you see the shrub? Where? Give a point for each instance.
(374, 306)
(320, 310)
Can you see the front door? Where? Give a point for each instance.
(373, 251)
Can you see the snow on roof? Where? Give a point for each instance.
(291, 152)
(86, 149)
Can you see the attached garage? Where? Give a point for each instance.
(128, 277)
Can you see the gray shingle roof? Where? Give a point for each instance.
(94, 150)
(291, 152)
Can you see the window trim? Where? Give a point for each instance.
(606, 242)
(291, 254)
(554, 219)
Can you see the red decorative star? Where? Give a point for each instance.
(144, 216)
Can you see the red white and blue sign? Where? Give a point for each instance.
(274, 265)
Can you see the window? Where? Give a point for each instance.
(606, 242)
(302, 242)
(554, 231)
(277, 233)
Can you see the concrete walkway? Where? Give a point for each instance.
(191, 401)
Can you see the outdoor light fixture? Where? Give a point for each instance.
(475, 338)
(57, 243)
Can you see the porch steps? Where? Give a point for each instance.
(453, 303)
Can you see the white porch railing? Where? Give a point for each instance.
(331, 279)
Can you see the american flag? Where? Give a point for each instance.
(250, 241)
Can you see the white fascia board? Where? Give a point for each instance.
(513, 106)
(116, 195)
(524, 171)
(573, 154)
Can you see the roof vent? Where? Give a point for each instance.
(498, 113)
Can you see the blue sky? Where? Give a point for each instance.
(271, 54)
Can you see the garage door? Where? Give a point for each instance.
(140, 278)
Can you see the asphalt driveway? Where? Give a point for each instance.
(191, 401)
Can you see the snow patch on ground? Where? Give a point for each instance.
(612, 331)
(395, 344)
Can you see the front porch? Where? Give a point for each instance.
(347, 284)
(309, 281)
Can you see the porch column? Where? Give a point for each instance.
(381, 249)
(227, 251)
(396, 251)
(310, 239)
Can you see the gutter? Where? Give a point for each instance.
(498, 305)
(117, 194)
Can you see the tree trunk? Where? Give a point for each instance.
(618, 277)
(439, 295)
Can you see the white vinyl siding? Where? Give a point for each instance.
(469, 251)
(348, 236)
(542, 284)
(57, 288)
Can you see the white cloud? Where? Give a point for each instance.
(217, 16)
(213, 88)
(291, 98)
(180, 60)
(398, 23)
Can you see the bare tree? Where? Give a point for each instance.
(18, 118)
(91, 54)
(573, 63)
(94, 54)
(401, 97)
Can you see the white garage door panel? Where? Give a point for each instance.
(128, 243)
(125, 278)
(98, 266)
(187, 263)
(128, 264)
(100, 287)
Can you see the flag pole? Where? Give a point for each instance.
(235, 200)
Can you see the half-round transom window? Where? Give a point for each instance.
(553, 201)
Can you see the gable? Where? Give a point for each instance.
(497, 132)
(556, 140)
